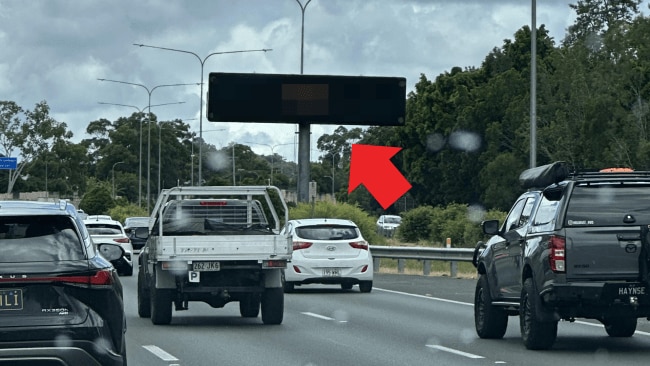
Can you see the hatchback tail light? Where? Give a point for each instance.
(101, 278)
(359, 245)
(122, 240)
(297, 245)
(557, 245)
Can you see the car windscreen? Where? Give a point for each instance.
(103, 229)
(40, 238)
(608, 204)
(136, 222)
(327, 232)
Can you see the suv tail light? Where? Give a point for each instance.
(359, 245)
(122, 240)
(297, 245)
(100, 279)
(556, 259)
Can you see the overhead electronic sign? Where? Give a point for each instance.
(323, 99)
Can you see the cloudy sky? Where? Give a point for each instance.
(56, 50)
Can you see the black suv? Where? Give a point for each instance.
(575, 245)
(133, 223)
(60, 299)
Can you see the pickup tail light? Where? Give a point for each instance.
(556, 258)
(100, 279)
(297, 245)
(359, 245)
(274, 263)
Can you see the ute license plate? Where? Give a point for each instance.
(11, 299)
(631, 290)
(206, 266)
(331, 272)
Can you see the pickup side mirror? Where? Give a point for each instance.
(142, 233)
(490, 227)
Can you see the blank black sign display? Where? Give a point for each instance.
(324, 99)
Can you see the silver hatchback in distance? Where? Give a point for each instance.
(328, 251)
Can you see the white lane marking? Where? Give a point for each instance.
(454, 351)
(424, 297)
(466, 303)
(322, 317)
(160, 353)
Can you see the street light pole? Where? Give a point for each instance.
(149, 92)
(202, 61)
(160, 145)
(113, 174)
(272, 147)
(140, 110)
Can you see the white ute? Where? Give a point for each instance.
(215, 245)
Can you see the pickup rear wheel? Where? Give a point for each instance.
(537, 335)
(491, 321)
(249, 305)
(273, 305)
(620, 326)
(144, 299)
(161, 306)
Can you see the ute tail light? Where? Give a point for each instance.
(100, 279)
(297, 245)
(556, 258)
(359, 245)
(122, 240)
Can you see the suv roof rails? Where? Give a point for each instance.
(607, 175)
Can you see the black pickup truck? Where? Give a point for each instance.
(575, 245)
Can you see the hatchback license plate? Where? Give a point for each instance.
(331, 272)
(206, 266)
(11, 299)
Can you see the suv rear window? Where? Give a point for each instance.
(608, 204)
(40, 238)
(327, 232)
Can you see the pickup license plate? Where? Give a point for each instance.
(331, 272)
(631, 290)
(206, 266)
(11, 299)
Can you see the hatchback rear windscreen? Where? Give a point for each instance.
(327, 232)
(39, 239)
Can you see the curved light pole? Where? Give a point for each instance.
(140, 110)
(272, 153)
(113, 174)
(149, 92)
(202, 61)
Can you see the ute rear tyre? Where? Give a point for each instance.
(536, 335)
(490, 321)
(249, 306)
(620, 327)
(144, 299)
(272, 305)
(161, 306)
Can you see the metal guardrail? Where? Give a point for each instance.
(424, 254)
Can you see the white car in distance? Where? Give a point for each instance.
(328, 251)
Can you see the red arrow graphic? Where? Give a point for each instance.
(371, 166)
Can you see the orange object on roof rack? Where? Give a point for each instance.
(616, 170)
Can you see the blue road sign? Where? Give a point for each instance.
(8, 163)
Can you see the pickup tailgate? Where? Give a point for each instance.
(225, 247)
(603, 253)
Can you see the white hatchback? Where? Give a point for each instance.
(103, 229)
(328, 251)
